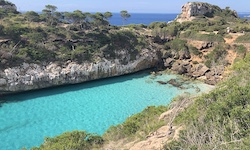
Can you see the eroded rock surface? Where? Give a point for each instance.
(192, 9)
(36, 76)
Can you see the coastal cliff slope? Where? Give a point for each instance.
(30, 76)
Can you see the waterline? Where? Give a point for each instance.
(93, 106)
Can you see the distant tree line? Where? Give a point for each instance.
(52, 17)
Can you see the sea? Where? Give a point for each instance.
(146, 19)
(141, 18)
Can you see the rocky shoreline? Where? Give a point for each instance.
(34, 76)
(31, 76)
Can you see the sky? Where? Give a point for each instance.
(132, 6)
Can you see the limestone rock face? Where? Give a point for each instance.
(36, 76)
(192, 9)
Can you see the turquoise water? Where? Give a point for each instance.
(26, 118)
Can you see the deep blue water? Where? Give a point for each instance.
(142, 18)
(26, 118)
(147, 18)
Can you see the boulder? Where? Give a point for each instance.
(184, 54)
(161, 82)
(205, 45)
(3, 82)
(174, 82)
(199, 70)
(169, 62)
(179, 68)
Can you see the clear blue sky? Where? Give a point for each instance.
(136, 6)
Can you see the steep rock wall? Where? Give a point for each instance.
(34, 76)
(192, 9)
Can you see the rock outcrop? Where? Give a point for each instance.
(36, 76)
(197, 71)
(192, 9)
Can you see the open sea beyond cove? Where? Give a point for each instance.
(141, 18)
(26, 118)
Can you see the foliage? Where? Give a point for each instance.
(125, 15)
(202, 37)
(32, 16)
(220, 119)
(241, 51)
(176, 44)
(76, 140)
(216, 57)
(194, 50)
(49, 13)
(244, 38)
(137, 125)
(154, 25)
(136, 26)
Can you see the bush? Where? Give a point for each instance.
(216, 56)
(154, 25)
(202, 37)
(76, 140)
(243, 39)
(194, 50)
(176, 44)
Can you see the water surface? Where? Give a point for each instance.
(26, 118)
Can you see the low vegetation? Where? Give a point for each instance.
(212, 37)
(220, 119)
(138, 125)
(76, 140)
(243, 39)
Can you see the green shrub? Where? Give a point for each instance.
(176, 44)
(244, 38)
(141, 123)
(137, 26)
(194, 50)
(202, 37)
(76, 140)
(157, 25)
(217, 56)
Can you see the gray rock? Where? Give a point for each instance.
(179, 67)
(199, 70)
(3, 82)
(184, 54)
(169, 62)
(206, 45)
(35, 76)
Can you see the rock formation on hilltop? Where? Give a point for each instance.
(193, 9)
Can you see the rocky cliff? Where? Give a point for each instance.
(36, 76)
(193, 9)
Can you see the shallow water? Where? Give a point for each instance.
(26, 118)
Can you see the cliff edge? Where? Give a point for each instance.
(192, 10)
